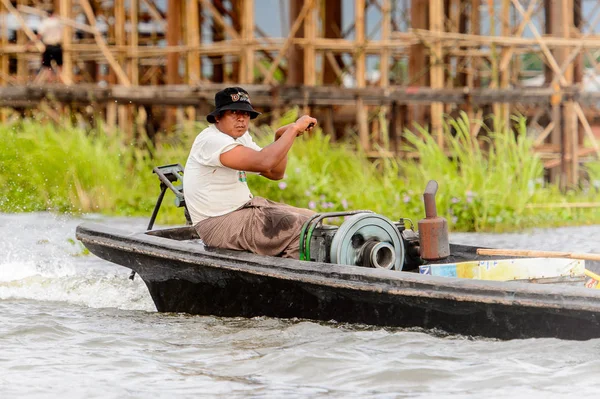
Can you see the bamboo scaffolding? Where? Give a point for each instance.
(452, 65)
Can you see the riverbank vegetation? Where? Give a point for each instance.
(499, 188)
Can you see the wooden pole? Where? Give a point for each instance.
(4, 71)
(571, 122)
(333, 29)
(134, 9)
(295, 53)
(384, 65)
(436, 24)
(360, 61)
(124, 121)
(504, 108)
(247, 53)
(310, 33)
(173, 38)
(66, 12)
(193, 39)
(418, 59)
(537, 254)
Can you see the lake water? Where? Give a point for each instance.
(75, 326)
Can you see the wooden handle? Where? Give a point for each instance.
(537, 254)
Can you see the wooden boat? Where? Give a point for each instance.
(182, 275)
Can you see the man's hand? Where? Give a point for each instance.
(304, 124)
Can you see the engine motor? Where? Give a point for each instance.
(363, 239)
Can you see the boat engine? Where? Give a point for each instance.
(363, 239)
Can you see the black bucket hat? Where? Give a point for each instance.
(232, 98)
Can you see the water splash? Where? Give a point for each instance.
(41, 260)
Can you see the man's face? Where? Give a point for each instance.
(233, 123)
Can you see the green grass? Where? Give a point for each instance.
(66, 169)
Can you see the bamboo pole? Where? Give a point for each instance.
(360, 60)
(436, 24)
(134, 9)
(66, 10)
(537, 254)
(332, 23)
(571, 123)
(193, 40)
(310, 33)
(123, 111)
(3, 44)
(4, 71)
(384, 65)
(173, 37)
(247, 54)
(504, 108)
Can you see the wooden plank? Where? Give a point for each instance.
(537, 254)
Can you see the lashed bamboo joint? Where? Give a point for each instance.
(376, 66)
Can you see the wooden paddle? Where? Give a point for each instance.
(537, 254)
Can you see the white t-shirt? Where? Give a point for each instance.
(51, 31)
(211, 189)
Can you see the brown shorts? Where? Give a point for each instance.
(261, 226)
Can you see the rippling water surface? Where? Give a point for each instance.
(74, 326)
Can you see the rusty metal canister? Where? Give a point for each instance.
(433, 230)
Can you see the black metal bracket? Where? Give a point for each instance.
(171, 177)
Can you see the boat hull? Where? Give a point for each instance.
(183, 276)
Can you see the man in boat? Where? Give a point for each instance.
(223, 210)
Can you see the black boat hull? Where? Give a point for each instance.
(182, 276)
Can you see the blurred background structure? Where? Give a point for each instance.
(364, 67)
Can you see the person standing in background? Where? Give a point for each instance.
(50, 33)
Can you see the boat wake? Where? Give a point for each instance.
(45, 263)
